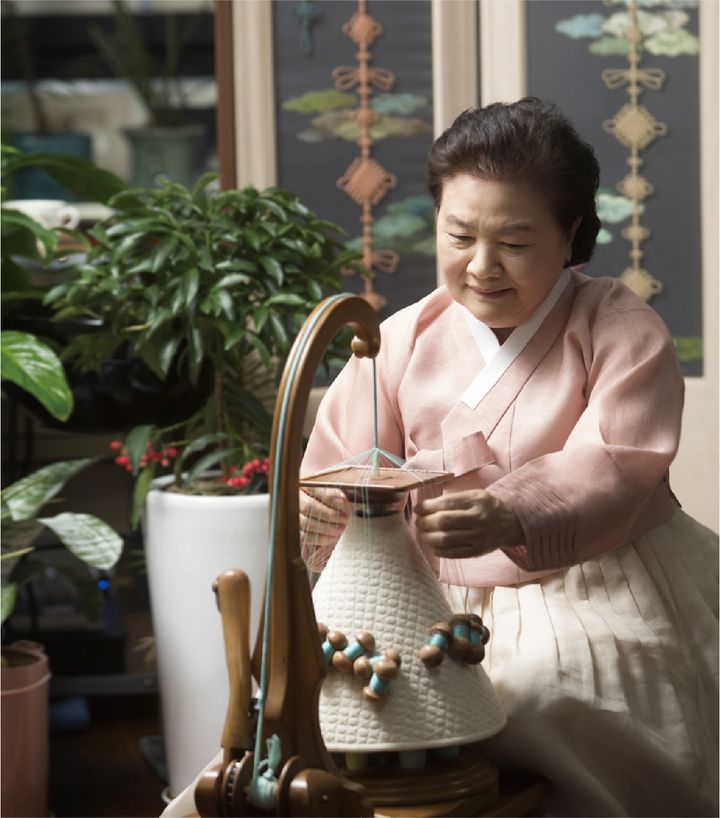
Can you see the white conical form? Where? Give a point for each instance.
(378, 580)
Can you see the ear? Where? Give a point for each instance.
(571, 239)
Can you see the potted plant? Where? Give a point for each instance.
(25, 675)
(168, 143)
(214, 282)
(32, 181)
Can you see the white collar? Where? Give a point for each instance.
(499, 357)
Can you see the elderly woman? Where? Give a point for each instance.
(555, 399)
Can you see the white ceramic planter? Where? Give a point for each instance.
(189, 541)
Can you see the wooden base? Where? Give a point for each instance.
(471, 775)
(517, 798)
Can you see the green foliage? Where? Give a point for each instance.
(205, 282)
(31, 364)
(133, 60)
(88, 537)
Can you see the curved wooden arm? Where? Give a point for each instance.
(295, 663)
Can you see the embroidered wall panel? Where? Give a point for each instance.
(626, 73)
(320, 73)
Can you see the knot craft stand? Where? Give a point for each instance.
(299, 775)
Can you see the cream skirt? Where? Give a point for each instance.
(608, 672)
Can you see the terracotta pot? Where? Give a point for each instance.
(25, 730)
(189, 542)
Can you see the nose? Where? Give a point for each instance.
(485, 262)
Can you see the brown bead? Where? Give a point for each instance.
(475, 655)
(362, 667)
(365, 349)
(369, 693)
(342, 662)
(386, 669)
(322, 631)
(475, 621)
(393, 655)
(367, 640)
(459, 647)
(337, 639)
(431, 655)
(443, 628)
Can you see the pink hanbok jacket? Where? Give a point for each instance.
(577, 434)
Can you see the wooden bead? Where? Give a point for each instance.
(362, 667)
(369, 693)
(475, 655)
(337, 639)
(431, 655)
(322, 631)
(393, 655)
(367, 640)
(364, 349)
(342, 662)
(386, 669)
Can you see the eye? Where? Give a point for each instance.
(460, 239)
(511, 246)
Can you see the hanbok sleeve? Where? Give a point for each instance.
(585, 499)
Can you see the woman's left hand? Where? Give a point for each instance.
(467, 524)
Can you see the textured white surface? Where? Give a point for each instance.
(377, 580)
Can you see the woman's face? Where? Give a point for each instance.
(500, 249)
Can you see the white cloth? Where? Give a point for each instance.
(608, 674)
(499, 358)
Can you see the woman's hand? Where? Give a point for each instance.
(467, 524)
(324, 513)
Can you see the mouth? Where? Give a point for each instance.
(490, 294)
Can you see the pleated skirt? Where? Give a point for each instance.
(608, 672)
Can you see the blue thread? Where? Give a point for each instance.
(328, 651)
(461, 629)
(378, 685)
(475, 638)
(439, 640)
(353, 651)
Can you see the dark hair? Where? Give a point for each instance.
(529, 140)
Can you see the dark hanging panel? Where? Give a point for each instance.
(570, 43)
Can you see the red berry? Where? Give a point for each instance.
(122, 460)
(116, 445)
(171, 452)
(164, 462)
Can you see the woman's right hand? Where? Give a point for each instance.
(324, 513)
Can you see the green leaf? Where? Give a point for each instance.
(140, 492)
(27, 231)
(232, 279)
(136, 444)
(89, 538)
(190, 284)
(201, 443)
(31, 364)
(286, 298)
(236, 264)
(279, 330)
(24, 498)
(167, 354)
(208, 461)
(273, 268)
(202, 183)
(7, 600)
(162, 251)
(88, 182)
(19, 534)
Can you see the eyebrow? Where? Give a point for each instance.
(514, 227)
